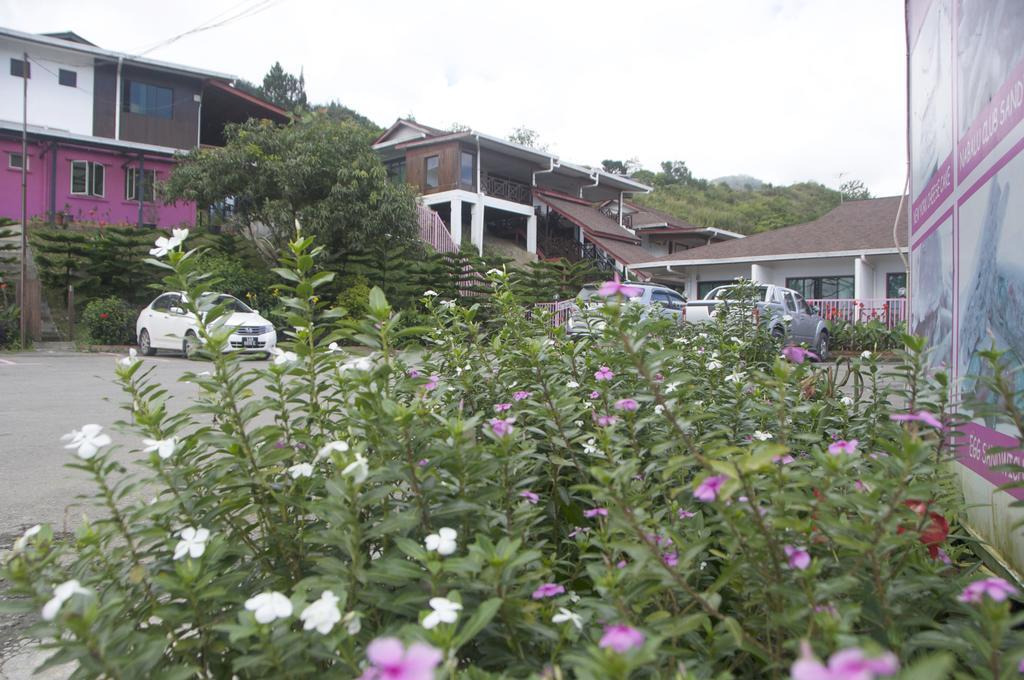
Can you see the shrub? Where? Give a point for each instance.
(245, 279)
(110, 321)
(354, 291)
(654, 501)
(873, 335)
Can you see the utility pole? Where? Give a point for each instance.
(22, 298)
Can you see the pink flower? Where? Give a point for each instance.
(595, 394)
(621, 564)
(686, 514)
(391, 661)
(670, 559)
(616, 287)
(798, 355)
(604, 373)
(627, 405)
(847, 664)
(423, 462)
(502, 427)
(605, 421)
(432, 382)
(520, 395)
(530, 497)
(707, 490)
(785, 459)
(860, 486)
(996, 588)
(548, 590)
(921, 416)
(621, 638)
(595, 512)
(943, 557)
(579, 531)
(797, 557)
(413, 373)
(502, 407)
(843, 446)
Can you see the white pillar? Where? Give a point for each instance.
(531, 234)
(758, 273)
(862, 279)
(456, 220)
(477, 229)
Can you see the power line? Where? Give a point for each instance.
(260, 6)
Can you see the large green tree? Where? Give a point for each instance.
(284, 89)
(318, 171)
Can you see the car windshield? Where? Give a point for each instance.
(725, 292)
(233, 304)
(587, 293)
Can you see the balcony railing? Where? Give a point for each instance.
(508, 189)
(890, 311)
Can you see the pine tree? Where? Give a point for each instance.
(10, 247)
(62, 257)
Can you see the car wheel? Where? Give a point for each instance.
(189, 345)
(145, 345)
(778, 334)
(822, 349)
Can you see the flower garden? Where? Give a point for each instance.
(648, 501)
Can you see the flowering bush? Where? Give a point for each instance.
(652, 501)
(109, 321)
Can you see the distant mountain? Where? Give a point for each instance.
(739, 182)
(713, 204)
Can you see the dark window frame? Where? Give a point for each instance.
(20, 68)
(131, 176)
(813, 287)
(705, 287)
(141, 106)
(396, 170)
(436, 170)
(11, 155)
(463, 154)
(67, 77)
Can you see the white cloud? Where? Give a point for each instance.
(782, 90)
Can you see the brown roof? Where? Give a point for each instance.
(627, 253)
(851, 226)
(586, 216)
(645, 216)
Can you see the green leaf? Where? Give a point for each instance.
(481, 617)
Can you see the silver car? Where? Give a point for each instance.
(660, 299)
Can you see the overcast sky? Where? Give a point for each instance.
(784, 90)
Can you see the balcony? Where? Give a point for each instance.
(508, 189)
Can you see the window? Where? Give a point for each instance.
(896, 285)
(668, 299)
(466, 175)
(88, 178)
(20, 69)
(431, 178)
(67, 78)
(790, 302)
(802, 305)
(705, 287)
(15, 161)
(396, 171)
(165, 302)
(148, 100)
(131, 176)
(822, 287)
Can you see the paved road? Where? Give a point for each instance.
(43, 396)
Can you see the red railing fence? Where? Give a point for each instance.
(890, 311)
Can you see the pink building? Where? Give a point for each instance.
(104, 129)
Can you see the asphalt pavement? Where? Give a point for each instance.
(45, 395)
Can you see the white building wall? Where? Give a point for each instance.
(50, 104)
(883, 265)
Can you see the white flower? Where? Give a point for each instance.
(430, 293)
(735, 376)
(492, 272)
(301, 470)
(163, 447)
(671, 387)
(353, 623)
(269, 606)
(330, 447)
(572, 384)
(443, 542)
(445, 611)
(163, 245)
(847, 402)
(281, 357)
(564, 615)
(88, 440)
(787, 317)
(590, 448)
(358, 364)
(659, 408)
(865, 354)
(179, 235)
(357, 469)
(192, 543)
(447, 303)
(322, 614)
(132, 357)
(762, 436)
(22, 541)
(714, 365)
(62, 594)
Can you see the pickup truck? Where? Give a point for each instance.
(785, 311)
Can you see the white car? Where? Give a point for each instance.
(165, 324)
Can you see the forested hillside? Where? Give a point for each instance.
(746, 210)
